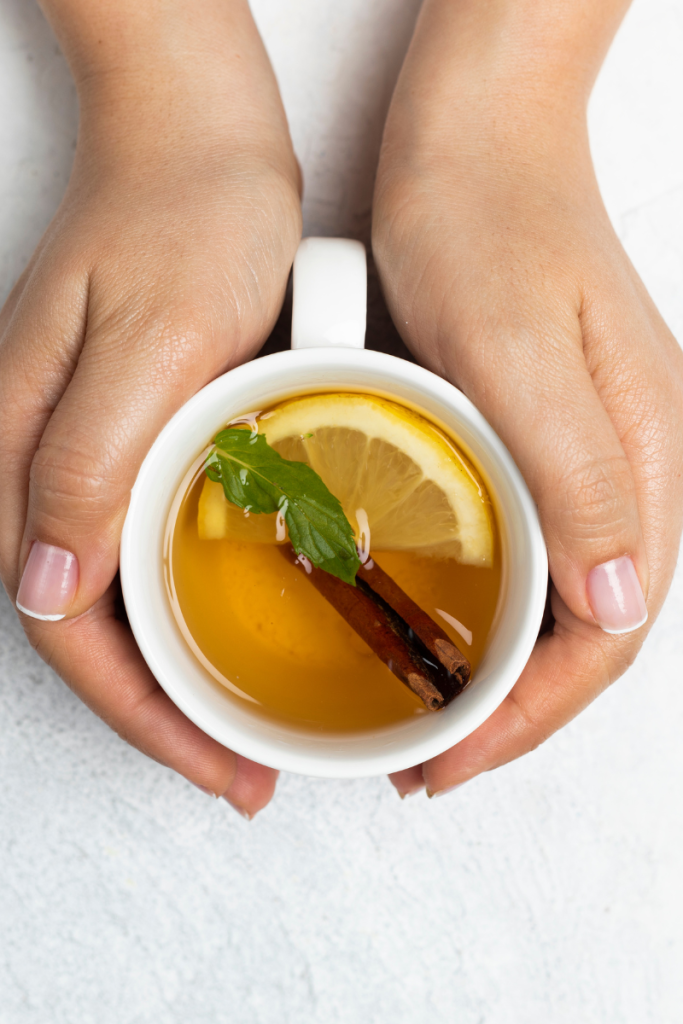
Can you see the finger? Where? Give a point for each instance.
(98, 657)
(637, 367)
(251, 788)
(12, 299)
(566, 671)
(550, 416)
(41, 341)
(408, 782)
(135, 370)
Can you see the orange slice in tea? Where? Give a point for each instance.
(402, 483)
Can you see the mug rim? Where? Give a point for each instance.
(333, 755)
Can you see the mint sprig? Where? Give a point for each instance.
(256, 478)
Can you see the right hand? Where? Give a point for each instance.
(165, 265)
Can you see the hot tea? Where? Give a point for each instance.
(313, 635)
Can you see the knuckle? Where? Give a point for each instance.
(596, 499)
(45, 641)
(169, 341)
(622, 656)
(73, 481)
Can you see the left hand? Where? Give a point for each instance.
(504, 275)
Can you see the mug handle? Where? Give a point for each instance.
(329, 307)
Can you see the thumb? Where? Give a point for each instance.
(574, 463)
(122, 393)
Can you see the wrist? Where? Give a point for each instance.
(167, 81)
(557, 45)
(511, 76)
(115, 40)
(146, 71)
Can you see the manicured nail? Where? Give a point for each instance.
(616, 597)
(240, 810)
(442, 792)
(411, 792)
(49, 582)
(209, 792)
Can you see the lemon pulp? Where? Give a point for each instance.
(403, 484)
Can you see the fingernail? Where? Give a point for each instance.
(410, 792)
(240, 810)
(616, 597)
(442, 792)
(203, 789)
(49, 582)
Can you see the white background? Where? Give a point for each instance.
(548, 892)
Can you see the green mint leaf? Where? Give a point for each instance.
(255, 477)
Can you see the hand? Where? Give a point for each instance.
(165, 265)
(503, 274)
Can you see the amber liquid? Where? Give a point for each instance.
(264, 632)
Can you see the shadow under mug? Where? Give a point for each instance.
(328, 330)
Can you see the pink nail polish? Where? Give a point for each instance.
(49, 582)
(616, 597)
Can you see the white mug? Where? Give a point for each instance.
(328, 330)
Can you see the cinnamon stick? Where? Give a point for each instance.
(387, 634)
(430, 633)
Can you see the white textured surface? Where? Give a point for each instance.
(548, 892)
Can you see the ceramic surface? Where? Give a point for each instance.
(232, 722)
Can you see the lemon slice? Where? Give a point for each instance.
(402, 483)
(218, 518)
